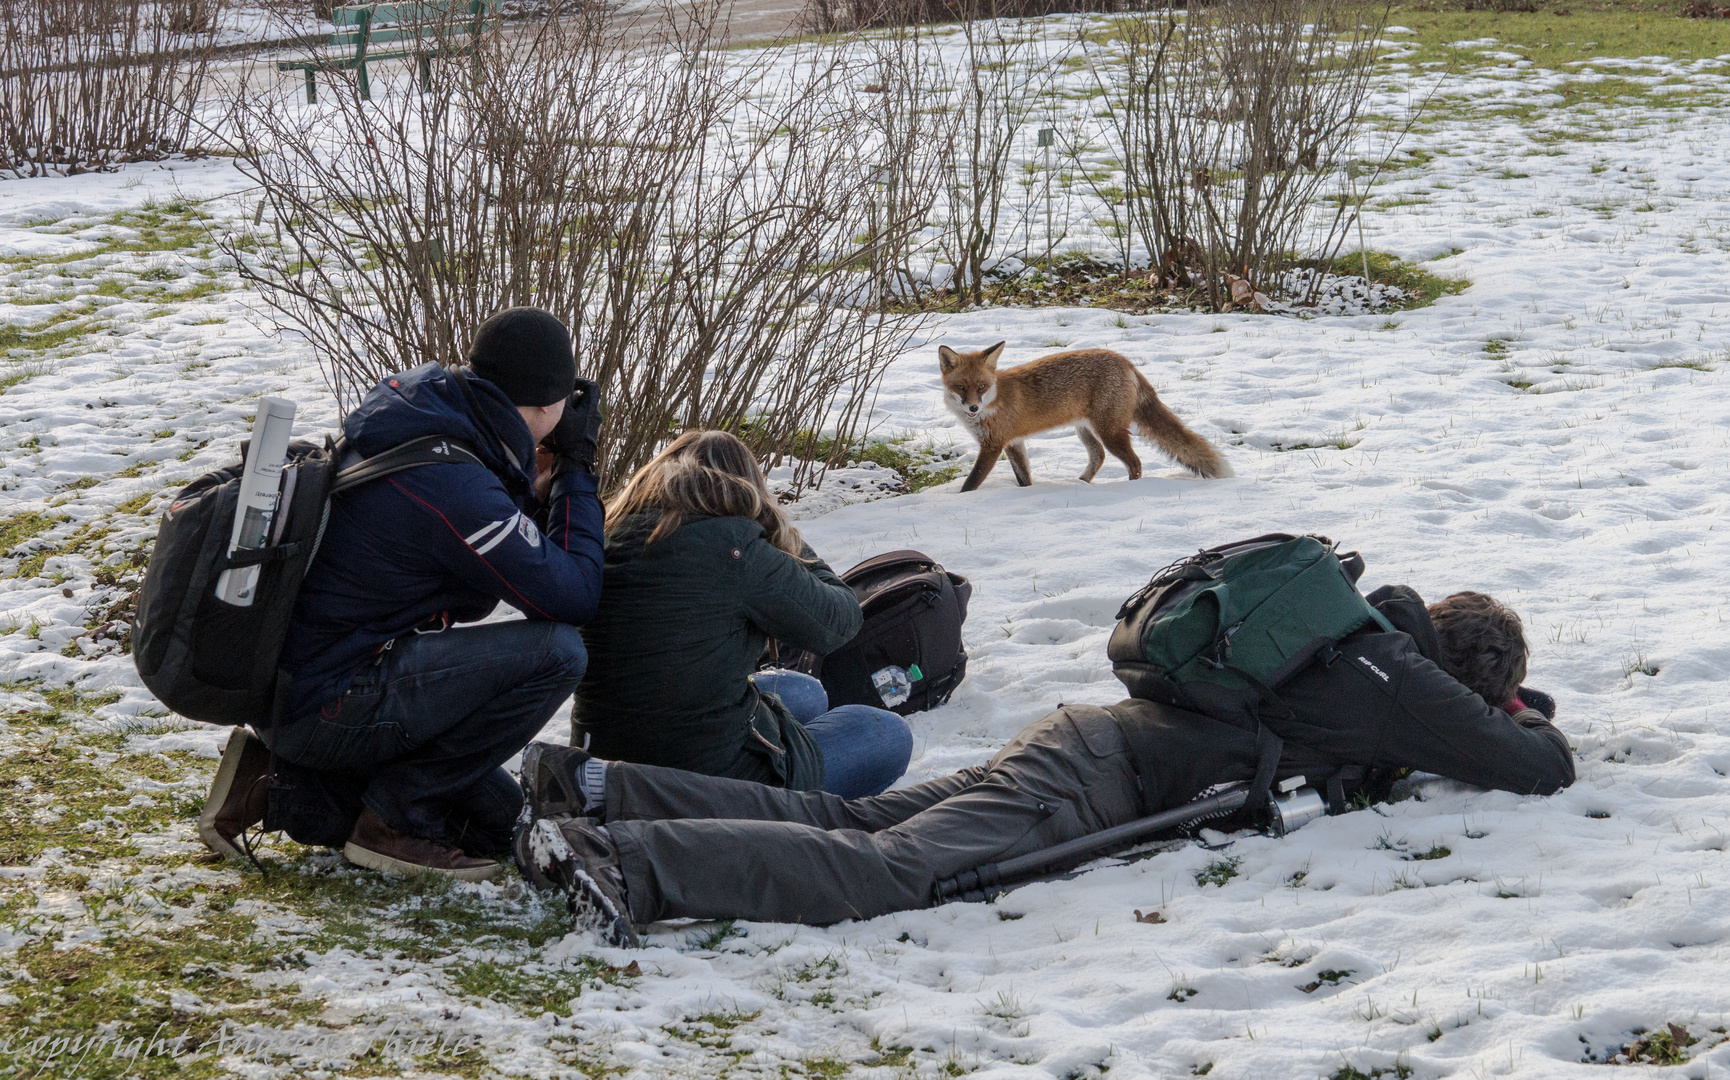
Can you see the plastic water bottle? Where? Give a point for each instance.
(894, 684)
(257, 508)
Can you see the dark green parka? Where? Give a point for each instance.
(681, 626)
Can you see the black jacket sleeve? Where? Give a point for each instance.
(800, 603)
(1439, 726)
(1382, 703)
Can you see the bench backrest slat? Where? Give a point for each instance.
(380, 35)
(430, 11)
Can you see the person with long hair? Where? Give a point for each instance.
(702, 570)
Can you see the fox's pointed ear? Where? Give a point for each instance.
(994, 354)
(946, 358)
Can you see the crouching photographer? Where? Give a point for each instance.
(390, 735)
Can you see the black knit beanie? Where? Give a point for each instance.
(525, 352)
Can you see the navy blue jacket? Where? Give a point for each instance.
(453, 539)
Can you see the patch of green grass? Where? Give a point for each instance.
(84, 539)
(533, 993)
(57, 331)
(892, 1057)
(1437, 851)
(1686, 365)
(59, 796)
(712, 1031)
(1400, 1070)
(71, 699)
(177, 226)
(1666, 1047)
(156, 945)
(914, 467)
(1623, 28)
(46, 298)
(123, 986)
(1421, 287)
(919, 467)
(1219, 871)
(21, 373)
(1328, 977)
(420, 919)
(826, 968)
(716, 936)
(17, 529)
(197, 291)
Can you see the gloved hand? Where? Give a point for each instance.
(576, 439)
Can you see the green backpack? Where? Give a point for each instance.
(1235, 621)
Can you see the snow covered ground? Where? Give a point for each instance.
(1555, 435)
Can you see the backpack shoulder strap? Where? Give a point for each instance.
(428, 450)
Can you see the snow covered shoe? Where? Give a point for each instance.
(561, 780)
(238, 796)
(575, 855)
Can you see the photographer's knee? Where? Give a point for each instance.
(565, 657)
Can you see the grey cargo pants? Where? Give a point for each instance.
(694, 846)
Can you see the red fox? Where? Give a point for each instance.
(1097, 390)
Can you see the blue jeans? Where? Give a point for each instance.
(864, 749)
(420, 735)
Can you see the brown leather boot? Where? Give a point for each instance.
(377, 846)
(238, 796)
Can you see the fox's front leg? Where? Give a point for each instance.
(1017, 453)
(989, 451)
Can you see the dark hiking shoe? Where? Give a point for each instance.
(551, 778)
(575, 855)
(377, 846)
(238, 796)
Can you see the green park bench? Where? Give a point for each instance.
(435, 28)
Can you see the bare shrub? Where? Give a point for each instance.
(915, 133)
(701, 220)
(956, 103)
(997, 86)
(1232, 121)
(86, 83)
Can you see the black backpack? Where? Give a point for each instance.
(911, 640)
(212, 661)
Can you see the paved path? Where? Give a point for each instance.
(751, 22)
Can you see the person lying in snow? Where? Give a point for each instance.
(396, 724)
(635, 844)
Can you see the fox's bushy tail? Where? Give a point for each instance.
(1162, 426)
